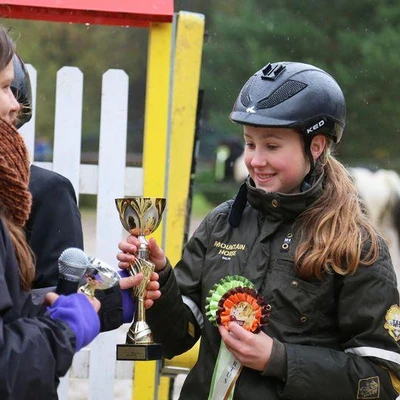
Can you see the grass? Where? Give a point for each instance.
(200, 205)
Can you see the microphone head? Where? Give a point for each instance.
(72, 264)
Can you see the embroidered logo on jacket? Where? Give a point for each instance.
(228, 251)
(392, 323)
(368, 388)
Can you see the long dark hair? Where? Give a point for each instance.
(7, 48)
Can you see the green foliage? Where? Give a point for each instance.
(214, 192)
(87, 201)
(94, 49)
(217, 192)
(355, 41)
(200, 205)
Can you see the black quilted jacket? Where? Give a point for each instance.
(341, 333)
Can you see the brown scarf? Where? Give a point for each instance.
(14, 175)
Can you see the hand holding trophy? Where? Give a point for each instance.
(140, 216)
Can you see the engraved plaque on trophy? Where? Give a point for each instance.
(140, 216)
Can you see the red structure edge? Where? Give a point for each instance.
(124, 13)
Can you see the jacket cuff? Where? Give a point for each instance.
(111, 311)
(277, 364)
(164, 274)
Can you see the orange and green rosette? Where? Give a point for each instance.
(234, 299)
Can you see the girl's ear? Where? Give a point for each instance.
(318, 144)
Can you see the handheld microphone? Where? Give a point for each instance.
(72, 264)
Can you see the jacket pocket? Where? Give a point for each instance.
(292, 300)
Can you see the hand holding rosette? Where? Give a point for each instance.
(233, 299)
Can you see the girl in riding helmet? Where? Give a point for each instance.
(297, 231)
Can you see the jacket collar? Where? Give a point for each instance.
(277, 206)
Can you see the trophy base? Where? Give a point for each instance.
(139, 352)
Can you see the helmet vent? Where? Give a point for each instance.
(245, 98)
(284, 92)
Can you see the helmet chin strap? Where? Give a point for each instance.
(238, 206)
(307, 182)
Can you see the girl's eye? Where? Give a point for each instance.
(272, 146)
(249, 145)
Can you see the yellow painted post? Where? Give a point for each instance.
(154, 161)
(157, 110)
(186, 78)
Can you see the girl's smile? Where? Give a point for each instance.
(275, 158)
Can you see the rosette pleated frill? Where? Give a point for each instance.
(233, 299)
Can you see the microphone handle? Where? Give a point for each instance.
(67, 287)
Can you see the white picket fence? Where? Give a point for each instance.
(108, 180)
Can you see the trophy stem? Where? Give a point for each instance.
(143, 251)
(87, 289)
(139, 332)
(140, 309)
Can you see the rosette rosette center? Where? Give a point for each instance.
(234, 299)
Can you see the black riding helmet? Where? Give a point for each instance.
(21, 88)
(290, 95)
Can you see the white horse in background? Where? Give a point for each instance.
(239, 169)
(380, 192)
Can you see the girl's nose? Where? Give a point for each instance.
(258, 160)
(14, 105)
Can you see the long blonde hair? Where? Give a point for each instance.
(335, 233)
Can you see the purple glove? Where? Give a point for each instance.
(128, 304)
(79, 314)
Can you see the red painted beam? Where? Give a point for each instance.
(99, 12)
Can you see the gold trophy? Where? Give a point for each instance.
(99, 276)
(140, 216)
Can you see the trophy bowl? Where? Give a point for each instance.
(99, 276)
(140, 216)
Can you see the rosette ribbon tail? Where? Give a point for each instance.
(226, 372)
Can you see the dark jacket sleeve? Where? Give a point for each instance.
(171, 321)
(111, 311)
(176, 318)
(368, 365)
(35, 350)
(54, 223)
